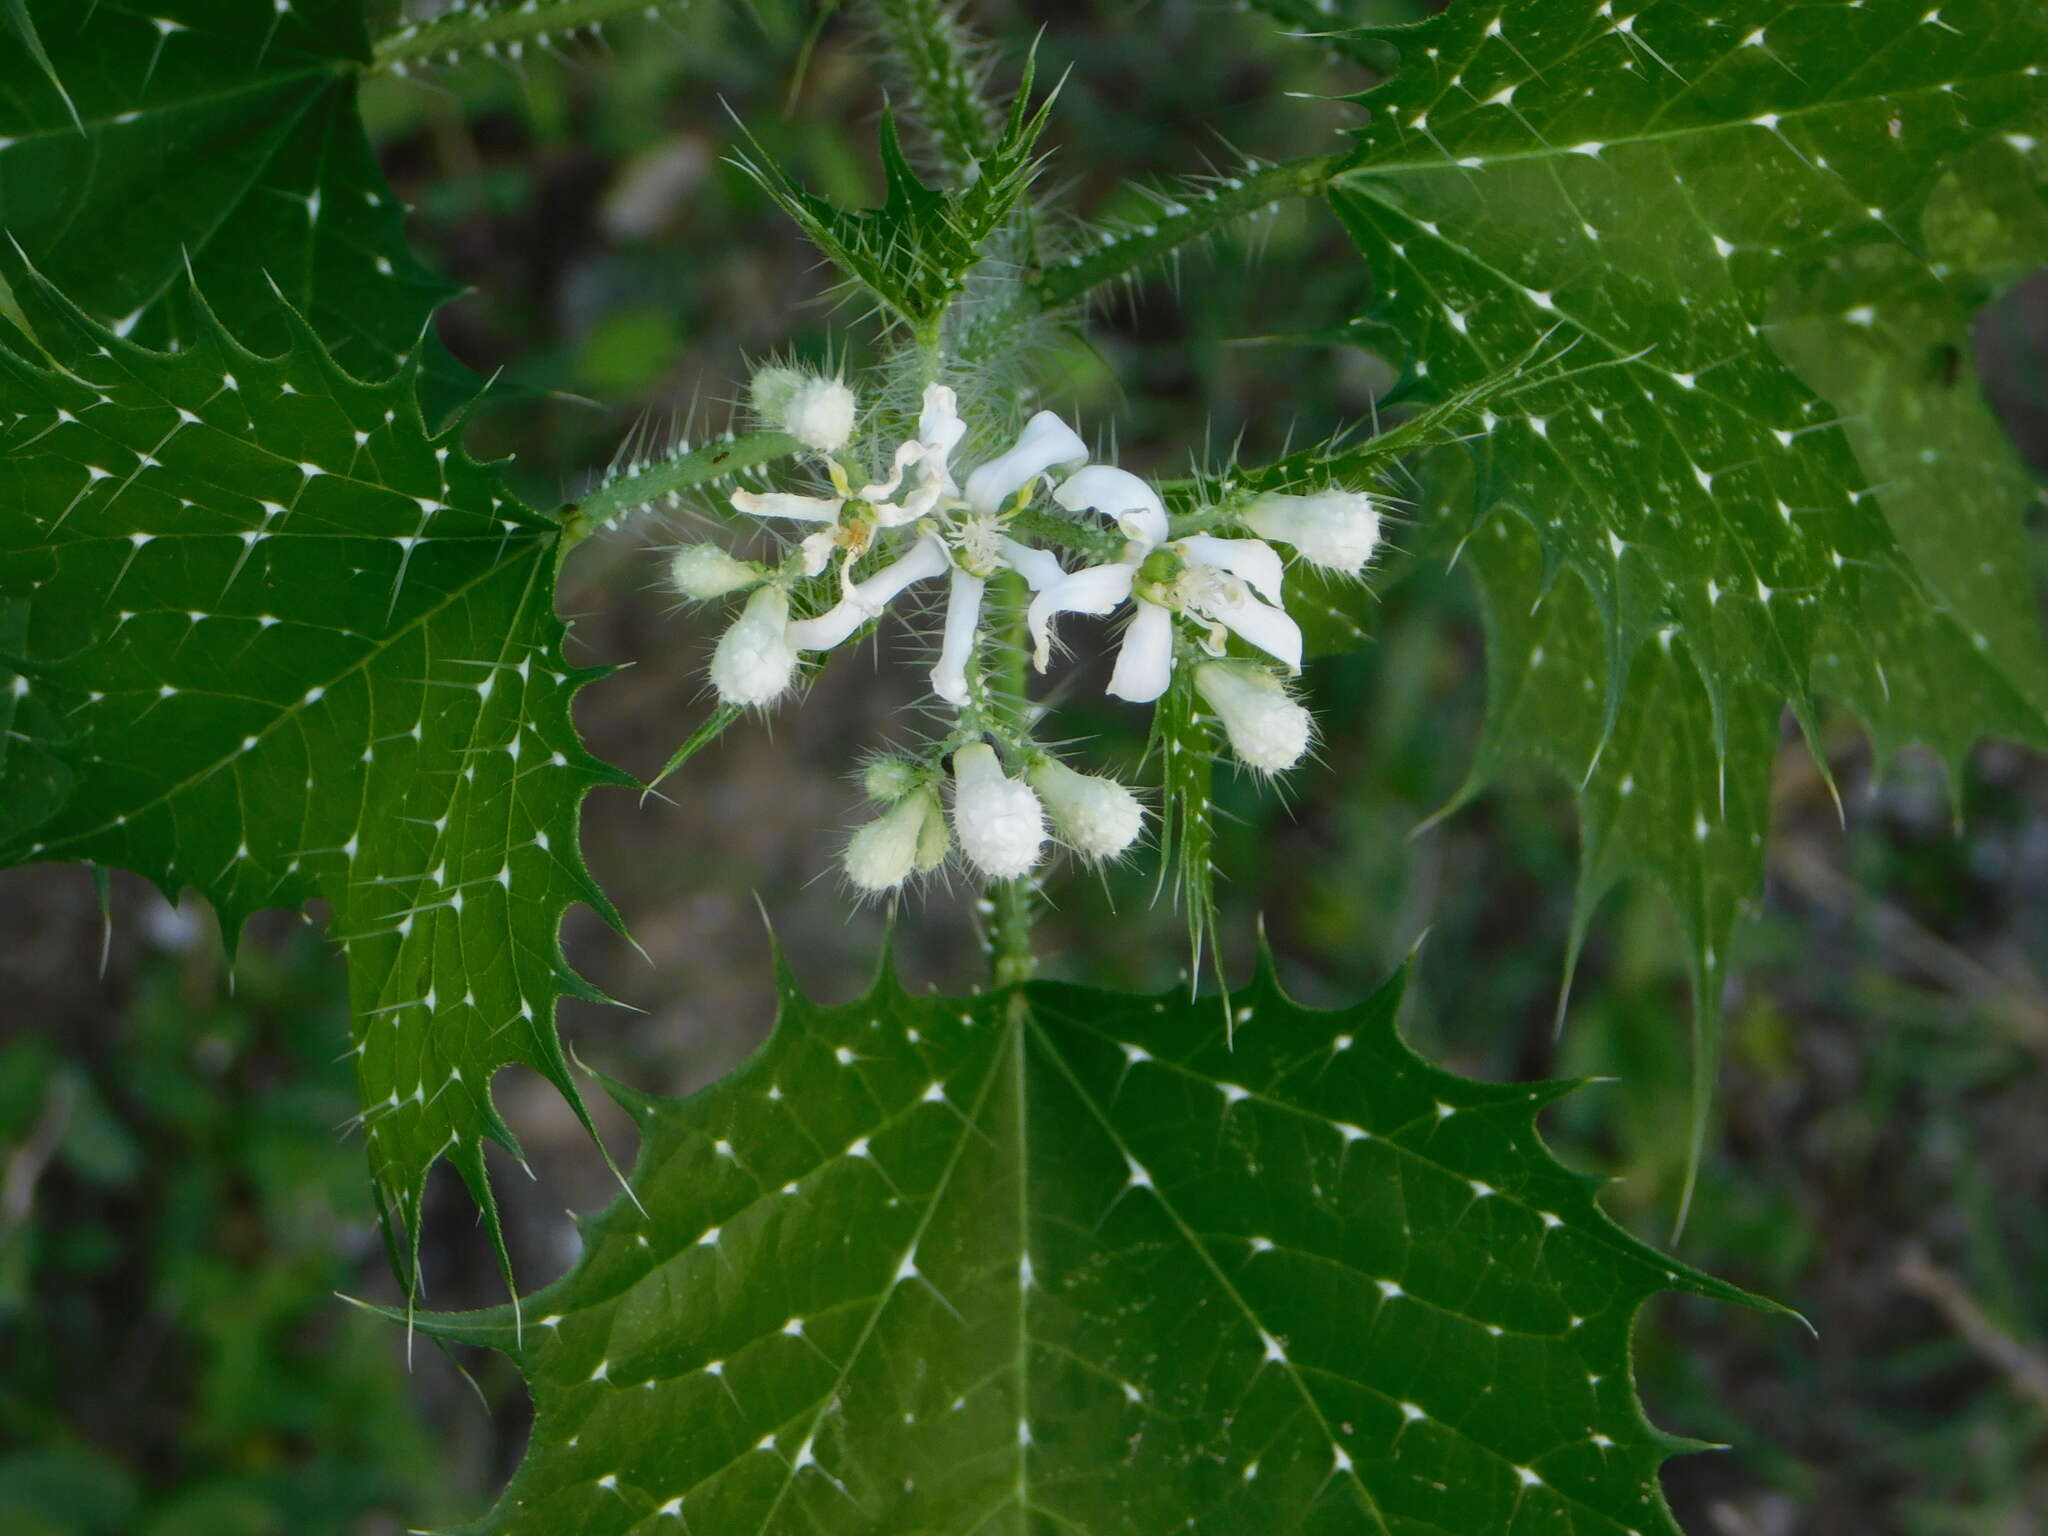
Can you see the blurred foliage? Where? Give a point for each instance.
(179, 1211)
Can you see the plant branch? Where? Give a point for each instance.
(1014, 902)
(480, 28)
(1180, 221)
(937, 63)
(655, 482)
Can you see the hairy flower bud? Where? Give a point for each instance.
(816, 411)
(1268, 730)
(1096, 817)
(1000, 824)
(755, 663)
(896, 844)
(704, 571)
(889, 779)
(1337, 530)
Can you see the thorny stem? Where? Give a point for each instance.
(474, 28)
(1014, 902)
(682, 472)
(1180, 221)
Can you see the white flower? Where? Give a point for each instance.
(865, 599)
(1044, 442)
(1229, 584)
(1337, 530)
(960, 535)
(908, 838)
(816, 411)
(1267, 729)
(1000, 824)
(755, 662)
(1096, 817)
(704, 571)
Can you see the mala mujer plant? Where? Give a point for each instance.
(920, 523)
(1043, 1257)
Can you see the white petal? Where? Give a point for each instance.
(865, 599)
(830, 628)
(1252, 560)
(927, 558)
(908, 452)
(1094, 589)
(1260, 624)
(1144, 663)
(963, 620)
(940, 428)
(805, 509)
(817, 550)
(1044, 442)
(1040, 568)
(913, 505)
(1119, 496)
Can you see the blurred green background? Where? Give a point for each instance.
(180, 1198)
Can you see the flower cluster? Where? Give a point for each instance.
(861, 547)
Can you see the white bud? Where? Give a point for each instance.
(754, 662)
(704, 571)
(817, 412)
(889, 779)
(1337, 530)
(1096, 817)
(1268, 730)
(999, 821)
(888, 850)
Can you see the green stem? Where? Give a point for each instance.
(476, 26)
(1188, 218)
(934, 55)
(1015, 902)
(1096, 543)
(685, 471)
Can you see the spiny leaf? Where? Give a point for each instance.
(302, 646)
(914, 252)
(1690, 198)
(506, 28)
(1060, 1260)
(218, 137)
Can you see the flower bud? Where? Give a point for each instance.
(888, 850)
(817, 412)
(1268, 730)
(704, 571)
(1096, 817)
(754, 662)
(999, 821)
(1337, 530)
(889, 779)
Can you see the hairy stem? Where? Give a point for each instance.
(1180, 221)
(685, 471)
(1014, 902)
(477, 27)
(935, 58)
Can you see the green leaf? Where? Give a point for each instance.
(1727, 217)
(303, 646)
(218, 137)
(505, 27)
(1054, 1259)
(915, 251)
